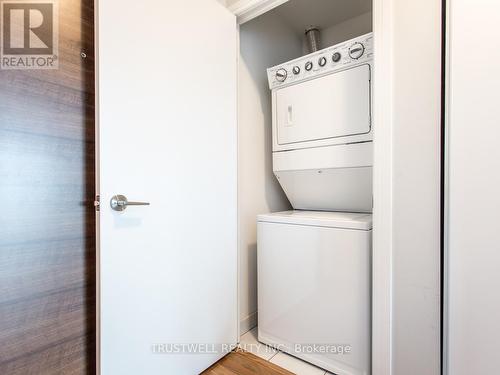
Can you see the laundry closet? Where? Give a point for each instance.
(261, 216)
(305, 160)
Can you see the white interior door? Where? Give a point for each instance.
(167, 135)
(473, 178)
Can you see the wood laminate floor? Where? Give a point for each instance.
(244, 363)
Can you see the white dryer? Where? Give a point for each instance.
(314, 283)
(322, 127)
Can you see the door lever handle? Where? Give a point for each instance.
(120, 203)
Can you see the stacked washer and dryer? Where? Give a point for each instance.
(314, 263)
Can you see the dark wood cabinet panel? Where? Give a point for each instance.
(47, 221)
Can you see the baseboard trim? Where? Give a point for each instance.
(246, 324)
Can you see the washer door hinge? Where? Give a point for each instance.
(97, 202)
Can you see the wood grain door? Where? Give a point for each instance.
(47, 221)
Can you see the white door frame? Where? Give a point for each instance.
(382, 190)
(399, 108)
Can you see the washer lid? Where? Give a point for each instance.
(344, 220)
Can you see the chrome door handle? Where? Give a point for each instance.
(120, 203)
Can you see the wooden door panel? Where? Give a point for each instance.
(47, 225)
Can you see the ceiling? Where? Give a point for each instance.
(300, 14)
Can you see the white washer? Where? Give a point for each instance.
(314, 283)
(322, 127)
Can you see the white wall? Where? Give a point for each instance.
(346, 30)
(264, 42)
(406, 321)
(473, 188)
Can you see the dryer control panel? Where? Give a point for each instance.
(340, 56)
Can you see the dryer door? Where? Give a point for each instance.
(333, 106)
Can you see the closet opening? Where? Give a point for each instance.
(305, 157)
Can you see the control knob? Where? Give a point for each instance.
(281, 75)
(309, 65)
(296, 70)
(322, 61)
(356, 50)
(336, 57)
